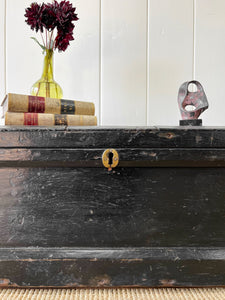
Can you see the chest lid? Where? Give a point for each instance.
(136, 146)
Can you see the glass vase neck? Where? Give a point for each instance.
(47, 74)
(46, 85)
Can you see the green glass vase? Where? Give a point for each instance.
(46, 85)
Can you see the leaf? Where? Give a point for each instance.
(42, 47)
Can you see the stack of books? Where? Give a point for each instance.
(40, 111)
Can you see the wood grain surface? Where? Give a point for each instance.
(157, 219)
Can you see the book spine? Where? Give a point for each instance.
(36, 104)
(39, 119)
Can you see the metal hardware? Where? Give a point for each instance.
(110, 158)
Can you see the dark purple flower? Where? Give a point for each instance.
(55, 15)
(63, 40)
(49, 17)
(65, 12)
(34, 16)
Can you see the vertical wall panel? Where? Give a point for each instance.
(210, 57)
(76, 69)
(124, 63)
(2, 55)
(24, 58)
(170, 57)
(2, 49)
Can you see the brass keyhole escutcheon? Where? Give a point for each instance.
(110, 158)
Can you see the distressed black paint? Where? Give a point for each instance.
(158, 219)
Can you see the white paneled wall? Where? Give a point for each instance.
(124, 62)
(2, 48)
(77, 70)
(170, 57)
(210, 56)
(129, 57)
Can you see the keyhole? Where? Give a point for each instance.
(110, 156)
(110, 159)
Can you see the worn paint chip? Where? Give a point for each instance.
(167, 282)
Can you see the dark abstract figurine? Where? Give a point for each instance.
(197, 100)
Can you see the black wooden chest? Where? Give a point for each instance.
(156, 219)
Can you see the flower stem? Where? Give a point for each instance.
(51, 44)
(46, 38)
(42, 39)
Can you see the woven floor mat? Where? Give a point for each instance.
(114, 294)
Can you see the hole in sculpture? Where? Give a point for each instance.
(192, 87)
(190, 107)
